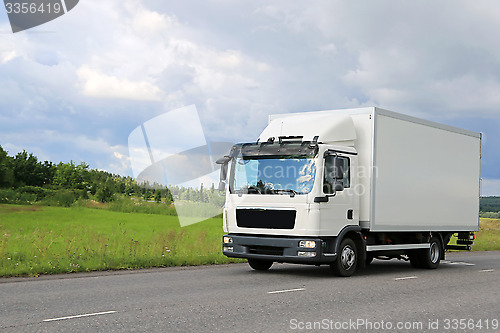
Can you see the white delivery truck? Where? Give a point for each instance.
(342, 187)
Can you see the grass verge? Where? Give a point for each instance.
(488, 236)
(48, 240)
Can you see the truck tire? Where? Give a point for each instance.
(369, 258)
(347, 259)
(430, 258)
(415, 257)
(260, 265)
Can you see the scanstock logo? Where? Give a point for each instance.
(28, 14)
(172, 150)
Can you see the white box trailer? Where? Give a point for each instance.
(356, 184)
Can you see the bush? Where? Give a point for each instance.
(490, 215)
(63, 198)
(105, 193)
(39, 193)
(129, 205)
(26, 198)
(8, 196)
(158, 196)
(34, 190)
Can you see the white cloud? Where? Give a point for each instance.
(230, 59)
(7, 56)
(95, 84)
(121, 156)
(149, 23)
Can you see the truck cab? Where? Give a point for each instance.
(288, 200)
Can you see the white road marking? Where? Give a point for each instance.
(285, 291)
(487, 270)
(405, 278)
(80, 316)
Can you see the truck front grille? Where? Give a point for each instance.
(265, 218)
(268, 250)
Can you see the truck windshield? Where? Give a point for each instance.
(273, 175)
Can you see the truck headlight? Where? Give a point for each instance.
(308, 244)
(227, 240)
(227, 249)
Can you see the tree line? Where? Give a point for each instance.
(24, 178)
(490, 207)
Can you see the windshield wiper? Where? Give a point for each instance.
(254, 189)
(292, 192)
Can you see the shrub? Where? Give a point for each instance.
(105, 193)
(490, 215)
(65, 198)
(26, 198)
(128, 205)
(8, 196)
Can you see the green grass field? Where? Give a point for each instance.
(46, 240)
(488, 236)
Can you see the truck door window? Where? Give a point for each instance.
(329, 180)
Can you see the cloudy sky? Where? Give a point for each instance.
(76, 87)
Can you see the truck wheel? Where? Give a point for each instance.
(260, 265)
(347, 258)
(431, 257)
(369, 258)
(415, 257)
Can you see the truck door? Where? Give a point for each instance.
(342, 207)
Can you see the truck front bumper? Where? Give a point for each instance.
(279, 249)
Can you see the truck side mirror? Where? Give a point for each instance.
(223, 160)
(223, 172)
(222, 186)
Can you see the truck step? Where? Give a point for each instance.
(458, 247)
(371, 248)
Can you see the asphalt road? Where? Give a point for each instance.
(389, 296)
